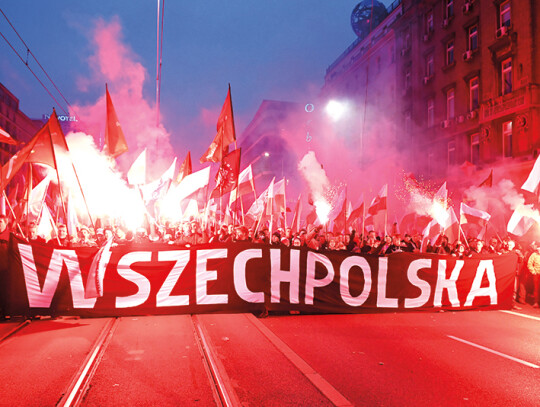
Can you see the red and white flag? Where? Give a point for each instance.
(519, 222)
(246, 185)
(340, 221)
(279, 197)
(442, 195)
(194, 183)
(430, 234)
(451, 226)
(379, 202)
(36, 200)
(357, 215)
(473, 215)
(531, 184)
(259, 205)
(295, 225)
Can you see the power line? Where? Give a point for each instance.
(28, 51)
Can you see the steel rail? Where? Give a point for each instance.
(78, 386)
(223, 391)
(15, 330)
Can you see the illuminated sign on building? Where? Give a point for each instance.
(62, 118)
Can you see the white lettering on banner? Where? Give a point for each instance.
(484, 267)
(204, 275)
(425, 288)
(41, 298)
(448, 284)
(311, 282)
(344, 271)
(240, 270)
(382, 300)
(279, 276)
(164, 297)
(43, 280)
(142, 283)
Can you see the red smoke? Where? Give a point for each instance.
(114, 63)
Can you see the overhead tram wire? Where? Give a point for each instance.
(35, 59)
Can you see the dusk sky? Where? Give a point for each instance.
(275, 50)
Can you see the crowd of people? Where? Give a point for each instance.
(192, 233)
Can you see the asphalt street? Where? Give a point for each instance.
(467, 358)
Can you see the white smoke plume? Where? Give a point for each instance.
(313, 172)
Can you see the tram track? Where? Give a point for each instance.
(14, 330)
(80, 382)
(224, 394)
(217, 363)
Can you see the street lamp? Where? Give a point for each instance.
(336, 110)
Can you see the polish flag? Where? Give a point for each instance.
(473, 215)
(531, 184)
(451, 226)
(430, 234)
(245, 185)
(519, 222)
(379, 202)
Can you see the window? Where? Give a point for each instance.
(506, 76)
(475, 148)
(449, 10)
(430, 70)
(407, 41)
(430, 113)
(429, 27)
(504, 14)
(451, 153)
(474, 94)
(408, 77)
(408, 123)
(450, 104)
(473, 38)
(431, 163)
(378, 64)
(450, 52)
(507, 139)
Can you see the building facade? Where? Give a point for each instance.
(467, 84)
(15, 122)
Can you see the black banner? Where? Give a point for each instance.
(245, 277)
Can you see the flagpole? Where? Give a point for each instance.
(41, 206)
(58, 174)
(76, 176)
(28, 189)
(285, 198)
(13, 214)
(242, 209)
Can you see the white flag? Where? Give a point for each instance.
(531, 184)
(137, 172)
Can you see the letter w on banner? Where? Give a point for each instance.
(96, 274)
